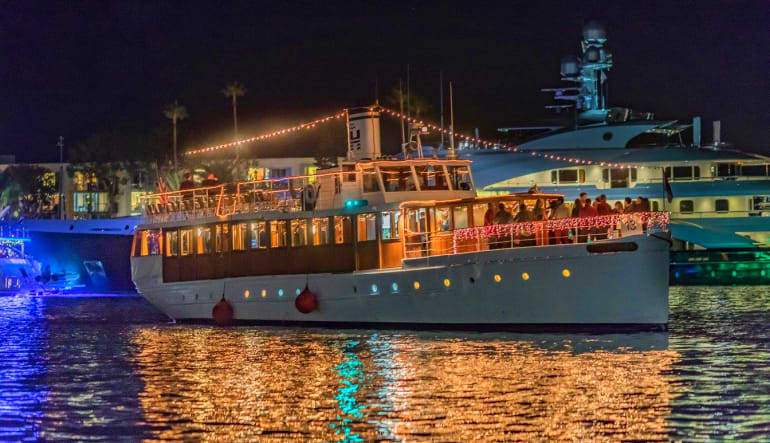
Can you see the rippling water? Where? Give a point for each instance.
(112, 368)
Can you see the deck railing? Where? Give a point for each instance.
(536, 233)
(246, 197)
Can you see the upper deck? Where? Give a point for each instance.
(377, 183)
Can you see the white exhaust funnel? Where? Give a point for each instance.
(364, 134)
(717, 132)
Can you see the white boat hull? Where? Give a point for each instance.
(617, 288)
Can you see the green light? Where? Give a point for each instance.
(349, 204)
(733, 273)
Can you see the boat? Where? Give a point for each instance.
(396, 242)
(719, 198)
(19, 272)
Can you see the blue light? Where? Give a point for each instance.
(394, 287)
(280, 292)
(297, 291)
(14, 239)
(374, 289)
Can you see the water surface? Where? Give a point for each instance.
(109, 368)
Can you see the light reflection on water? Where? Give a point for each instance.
(111, 368)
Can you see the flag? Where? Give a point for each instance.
(667, 188)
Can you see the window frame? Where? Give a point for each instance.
(681, 207)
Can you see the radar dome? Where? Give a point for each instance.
(593, 30)
(591, 55)
(570, 65)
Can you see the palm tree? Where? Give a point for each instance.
(234, 90)
(175, 112)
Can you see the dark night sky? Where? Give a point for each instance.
(75, 68)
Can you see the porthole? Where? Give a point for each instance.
(607, 136)
(447, 282)
(280, 292)
(246, 294)
(264, 293)
(565, 272)
(524, 276)
(498, 278)
(416, 285)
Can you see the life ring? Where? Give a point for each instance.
(306, 302)
(222, 314)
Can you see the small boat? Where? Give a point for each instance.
(18, 271)
(384, 242)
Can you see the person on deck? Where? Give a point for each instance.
(489, 216)
(187, 183)
(576, 208)
(618, 208)
(629, 207)
(559, 211)
(586, 211)
(602, 207)
(211, 180)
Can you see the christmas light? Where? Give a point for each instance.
(653, 221)
(269, 135)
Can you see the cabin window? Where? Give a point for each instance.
(655, 206)
(147, 243)
(390, 225)
(398, 179)
(298, 233)
(686, 206)
(320, 231)
(172, 243)
(240, 236)
(460, 215)
(634, 174)
(258, 235)
(571, 176)
(682, 172)
(479, 210)
(416, 220)
(351, 176)
(722, 205)
(724, 170)
(460, 177)
(370, 180)
(367, 230)
(221, 241)
(342, 230)
(605, 176)
(696, 172)
(278, 238)
(754, 170)
(203, 238)
(185, 242)
(431, 178)
(443, 218)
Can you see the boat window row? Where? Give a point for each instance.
(735, 169)
(263, 234)
(417, 177)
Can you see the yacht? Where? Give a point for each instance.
(719, 197)
(396, 242)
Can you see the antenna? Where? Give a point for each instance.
(60, 144)
(441, 101)
(451, 152)
(401, 122)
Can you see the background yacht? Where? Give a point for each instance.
(720, 210)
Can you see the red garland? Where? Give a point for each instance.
(653, 220)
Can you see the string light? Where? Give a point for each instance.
(653, 220)
(504, 146)
(432, 126)
(289, 130)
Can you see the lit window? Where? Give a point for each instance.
(447, 282)
(366, 227)
(280, 292)
(394, 287)
(524, 276)
(299, 232)
(390, 225)
(264, 293)
(185, 242)
(566, 273)
(320, 231)
(203, 238)
(498, 278)
(416, 285)
(342, 230)
(172, 243)
(374, 289)
(246, 294)
(257, 235)
(278, 234)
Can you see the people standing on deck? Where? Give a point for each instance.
(489, 216)
(210, 181)
(187, 183)
(576, 208)
(503, 217)
(618, 208)
(629, 207)
(525, 215)
(602, 207)
(559, 211)
(539, 212)
(586, 211)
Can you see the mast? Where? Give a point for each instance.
(401, 122)
(451, 153)
(441, 102)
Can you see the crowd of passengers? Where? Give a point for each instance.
(582, 207)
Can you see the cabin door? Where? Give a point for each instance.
(222, 242)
